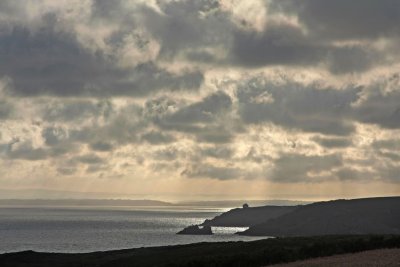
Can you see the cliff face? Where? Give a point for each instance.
(359, 216)
(245, 217)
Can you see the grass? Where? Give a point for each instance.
(255, 253)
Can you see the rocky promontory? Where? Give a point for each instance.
(196, 230)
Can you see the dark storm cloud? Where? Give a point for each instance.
(342, 19)
(54, 63)
(293, 105)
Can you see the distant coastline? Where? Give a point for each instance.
(35, 202)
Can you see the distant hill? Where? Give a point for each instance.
(245, 217)
(238, 203)
(358, 216)
(81, 202)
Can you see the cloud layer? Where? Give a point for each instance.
(293, 93)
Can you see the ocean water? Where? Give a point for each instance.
(94, 229)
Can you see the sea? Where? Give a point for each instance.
(87, 229)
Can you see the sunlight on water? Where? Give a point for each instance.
(228, 230)
(83, 230)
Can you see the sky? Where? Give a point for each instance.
(200, 99)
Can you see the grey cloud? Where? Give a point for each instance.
(351, 59)
(75, 110)
(181, 26)
(219, 152)
(89, 159)
(296, 106)
(54, 135)
(93, 168)
(380, 108)
(352, 174)
(66, 171)
(155, 138)
(215, 135)
(389, 173)
(344, 19)
(202, 111)
(292, 168)
(200, 119)
(389, 144)
(390, 155)
(214, 172)
(54, 63)
(26, 151)
(278, 45)
(6, 109)
(101, 146)
(333, 142)
(167, 154)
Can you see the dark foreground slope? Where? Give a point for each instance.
(244, 217)
(338, 217)
(256, 253)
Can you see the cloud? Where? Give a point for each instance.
(219, 152)
(201, 119)
(342, 19)
(380, 107)
(25, 151)
(101, 146)
(54, 63)
(280, 91)
(294, 168)
(6, 109)
(213, 172)
(155, 138)
(307, 108)
(333, 142)
(89, 159)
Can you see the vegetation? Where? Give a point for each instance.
(256, 253)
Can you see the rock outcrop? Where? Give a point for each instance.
(196, 230)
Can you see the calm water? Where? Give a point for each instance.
(83, 230)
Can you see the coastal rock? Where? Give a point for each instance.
(196, 230)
